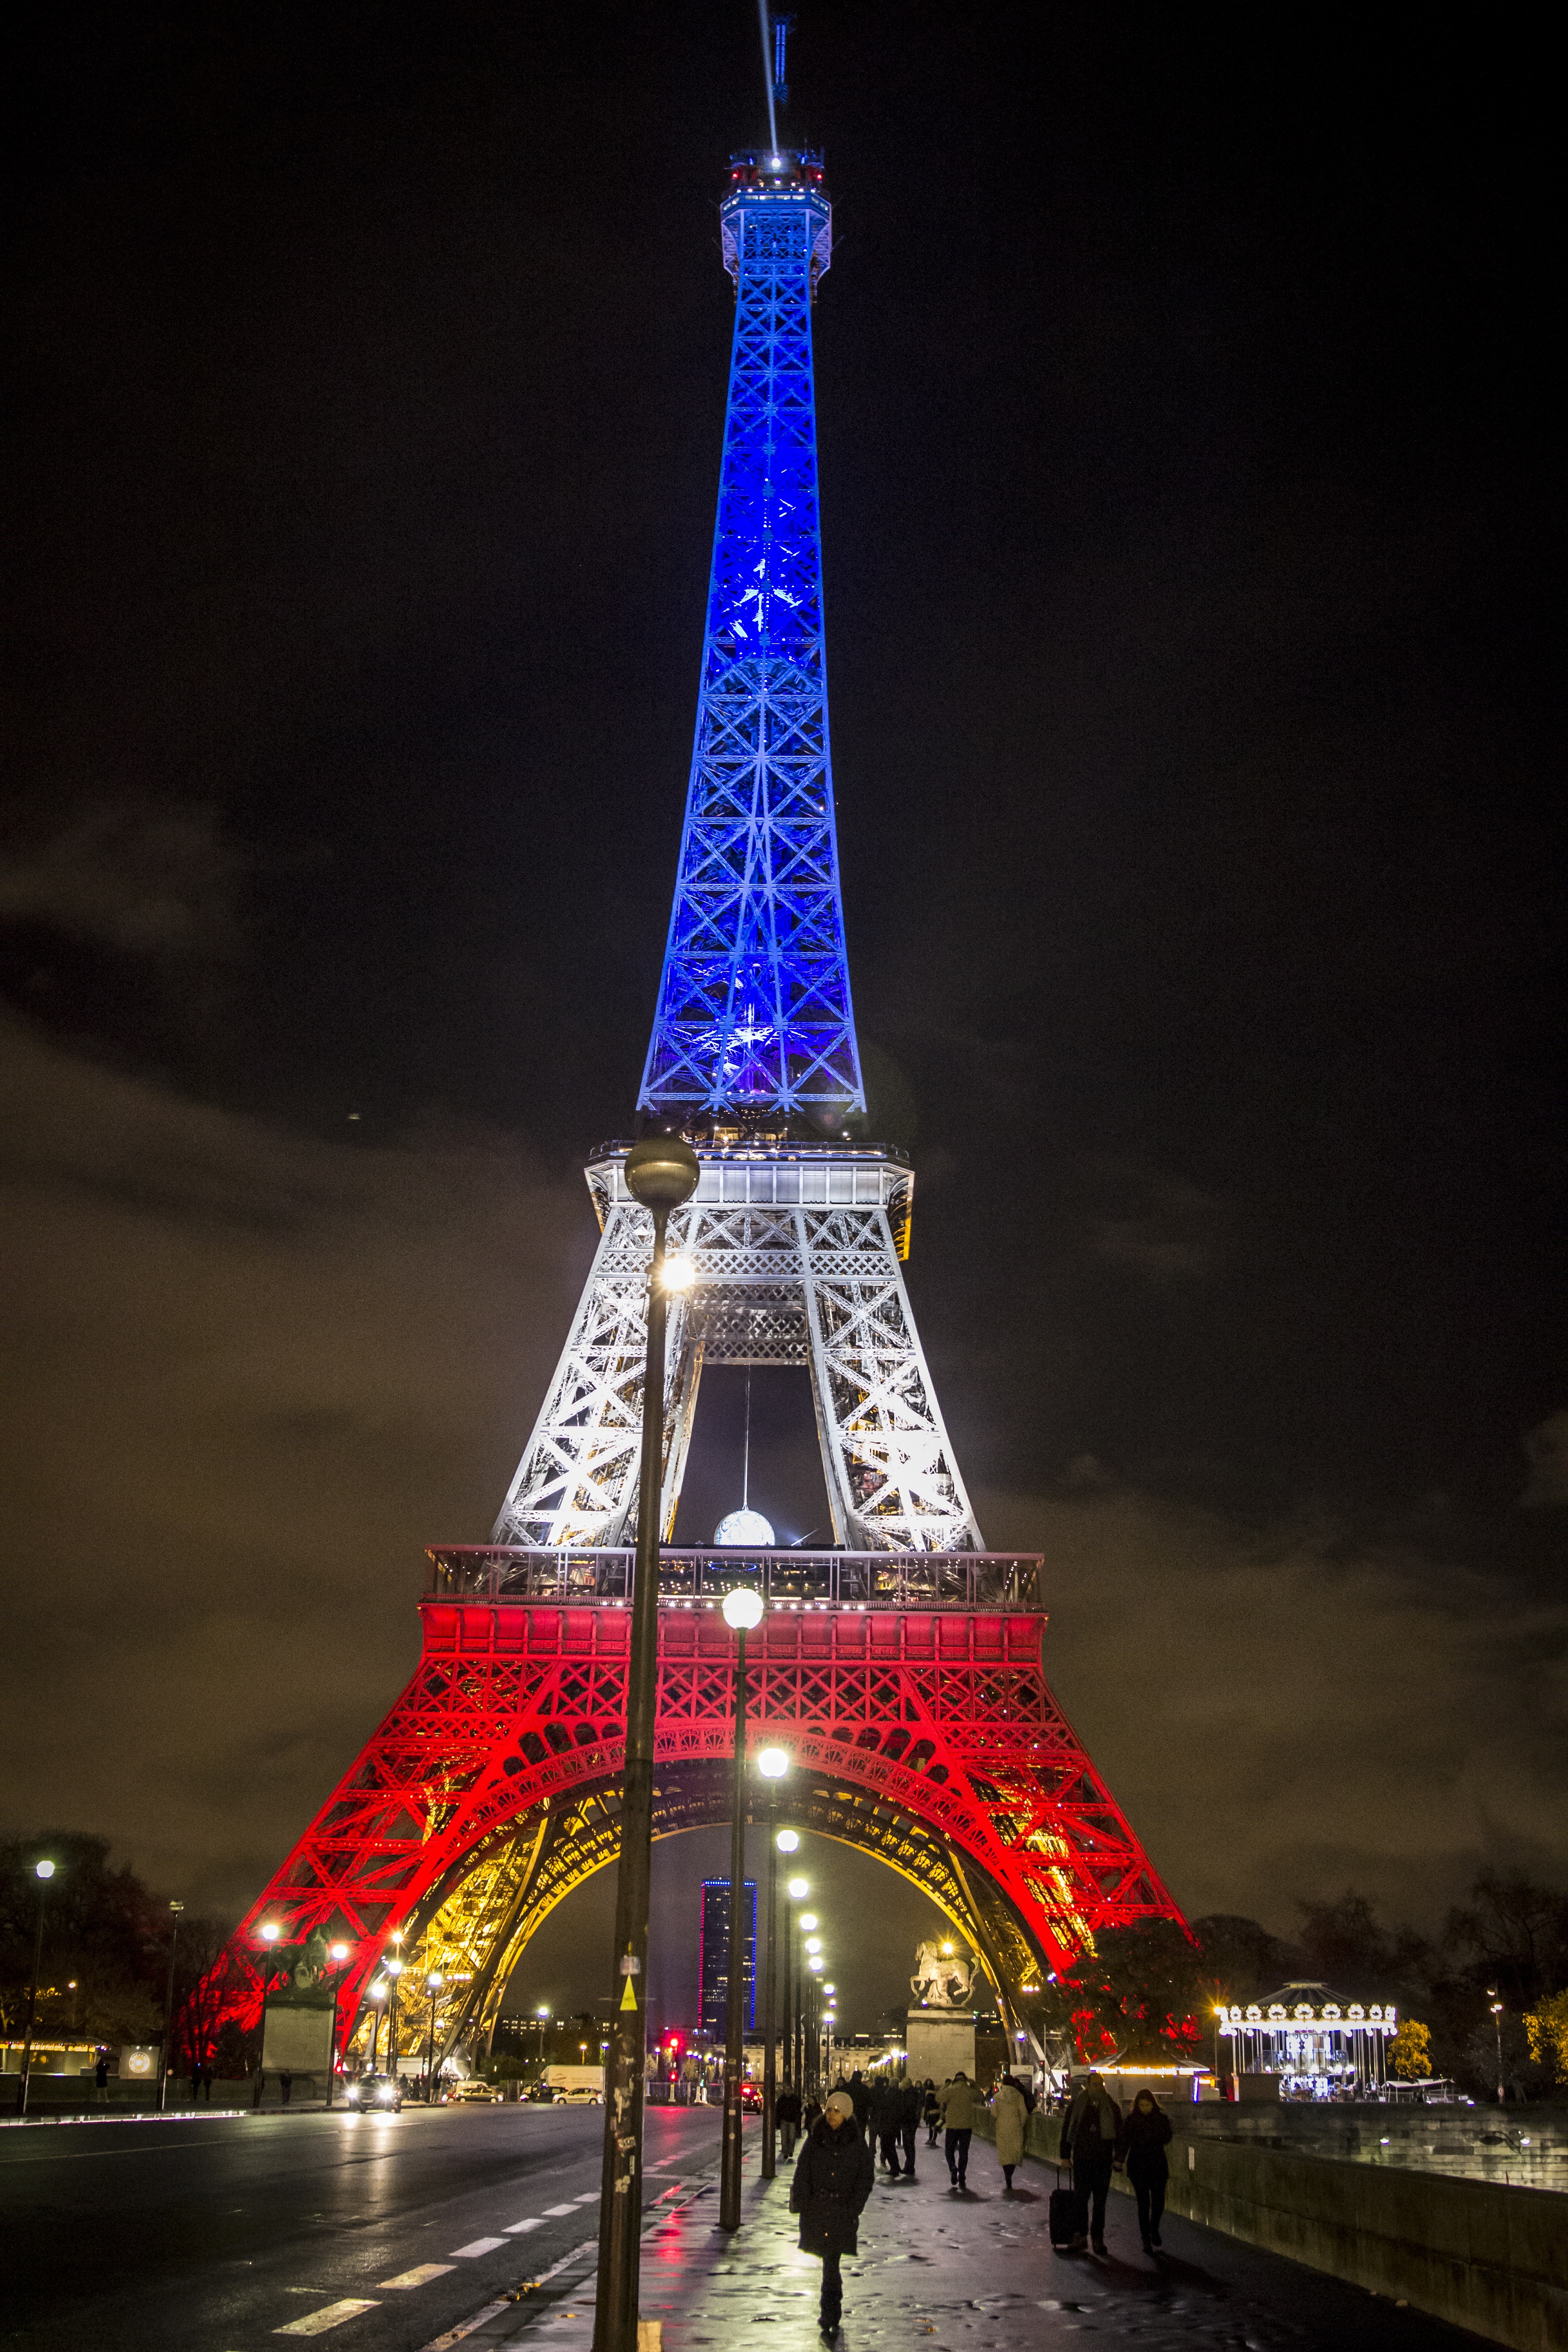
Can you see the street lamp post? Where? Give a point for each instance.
(270, 1934)
(661, 1173)
(43, 1872)
(806, 1923)
(338, 1952)
(433, 1984)
(174, 1910)
(394, 2022)
(1497, 2021)
(377, 1994)
(743, 1610)
(773, 1764)
(795, 1890)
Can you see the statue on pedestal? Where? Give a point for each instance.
(939, 1978)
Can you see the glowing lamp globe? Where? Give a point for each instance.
(44, 1869)
(787, 1840)
(747, 1529)
(661, 1171)
(798, 1886)
(773, 1763)
(743, 1610)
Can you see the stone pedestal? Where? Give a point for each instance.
(941, 2043)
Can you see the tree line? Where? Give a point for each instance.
(104, 1972)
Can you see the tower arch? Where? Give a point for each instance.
(924, 1734)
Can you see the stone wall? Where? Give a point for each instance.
(1474, 2252)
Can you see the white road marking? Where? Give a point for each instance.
(555, 2211)
(466, 2327)
(479, 2246)
(515, 2229)
(316, 2322)
(417, 2278)
(591, 2198)
(592, 2247)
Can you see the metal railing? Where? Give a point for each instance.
(958, 1580)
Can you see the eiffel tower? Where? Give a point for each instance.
(902, 1666)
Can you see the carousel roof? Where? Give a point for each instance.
(1309, 2003)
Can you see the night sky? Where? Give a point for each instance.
(1189, 508)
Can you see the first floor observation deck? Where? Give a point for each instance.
(968, 1583)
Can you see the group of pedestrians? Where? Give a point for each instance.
(835, 2169)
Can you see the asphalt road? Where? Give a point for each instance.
(216, 2234)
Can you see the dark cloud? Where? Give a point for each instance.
(158, 881)
(1284, 1710)
(1547, 1448)
(248, 1375)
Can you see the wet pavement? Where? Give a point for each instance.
(973, 2274)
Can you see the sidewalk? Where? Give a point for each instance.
(945, 2274)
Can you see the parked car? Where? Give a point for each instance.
(578, 2095)
(383, 2093)
(751, 2098)
(474, 2093)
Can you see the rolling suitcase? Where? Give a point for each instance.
(1068, 2220)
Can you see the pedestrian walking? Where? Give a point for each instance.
(101, 2078)
(1012, 2117)
(787, 2115)
(1147, 2136)
(960, 2102)
(1091, 2140)
(911, 2101)
(884, 2121)
(196, 2079)
(860, 2092)
(931, 2109)
(834, 2176)
(286, 2085)
(810, 2116)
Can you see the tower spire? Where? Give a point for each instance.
(754, 1019)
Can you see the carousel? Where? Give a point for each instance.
(1304, 2044)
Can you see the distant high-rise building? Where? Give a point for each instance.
(713, 1955)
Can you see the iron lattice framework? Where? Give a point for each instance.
(924, 1735)
(903, 1672)
(795, 1250)
(754, 1006)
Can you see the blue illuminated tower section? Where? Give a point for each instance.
(754, 1019)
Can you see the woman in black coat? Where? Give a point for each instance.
(1146, 2137)
(834, 2174)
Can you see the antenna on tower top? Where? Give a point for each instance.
(768, 74)
(782, 28)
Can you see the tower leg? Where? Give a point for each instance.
(892, 1480)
